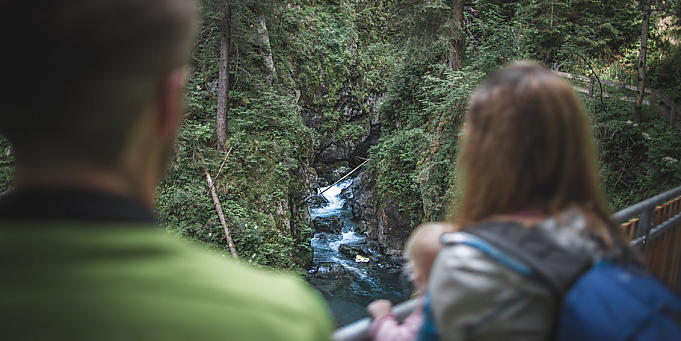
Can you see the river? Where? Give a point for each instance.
(350, 284)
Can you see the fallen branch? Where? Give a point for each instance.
(343, 178)
(223, 162)
(218, 208)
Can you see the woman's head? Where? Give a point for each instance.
(527, 145)
(420, 250)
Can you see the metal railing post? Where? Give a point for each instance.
(645, 225)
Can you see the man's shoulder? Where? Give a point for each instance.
(139, 276)
(278, 302)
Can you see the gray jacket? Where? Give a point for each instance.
(475, 297)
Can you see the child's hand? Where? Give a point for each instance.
(379, 308)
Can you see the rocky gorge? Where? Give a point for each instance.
(349, 269)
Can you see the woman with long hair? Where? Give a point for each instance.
(527, 159)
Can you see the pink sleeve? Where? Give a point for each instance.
(386, 328)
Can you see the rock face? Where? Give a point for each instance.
(331, 224)
(393, 229)
(378, 220)
(336, 147)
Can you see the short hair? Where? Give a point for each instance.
(81, 71)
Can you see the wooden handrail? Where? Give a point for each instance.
(672, 109)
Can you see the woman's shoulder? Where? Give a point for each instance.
(464, 254)
(479, 294)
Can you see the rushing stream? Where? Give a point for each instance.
(349, 282)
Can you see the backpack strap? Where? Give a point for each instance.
(534, 247)
(491, 251)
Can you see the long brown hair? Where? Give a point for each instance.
(527, 145)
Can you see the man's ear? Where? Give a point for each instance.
(171, 102)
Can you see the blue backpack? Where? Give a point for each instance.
(602, 299)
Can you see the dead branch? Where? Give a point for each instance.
(223, 162)
(218, 207)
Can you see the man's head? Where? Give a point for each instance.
(91, 80)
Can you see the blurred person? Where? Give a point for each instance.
(527, 166)
(420, 250)
(93, 106)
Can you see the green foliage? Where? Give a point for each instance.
(423, 96)
(394, 167)
(664, 54)
(261, 183)
(255, 183)
(331, 55)
(637, 160)
(497, 39)
(6, 165)
(561, 33)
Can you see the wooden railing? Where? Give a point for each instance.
(663, 251)
(667, 109)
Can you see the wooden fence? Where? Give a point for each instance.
(667, 109)
(663, 254)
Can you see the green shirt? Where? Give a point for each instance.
(122, 282)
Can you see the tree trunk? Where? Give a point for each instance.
(267, 50)
(457, 43)
(223, 77)
(645, 9)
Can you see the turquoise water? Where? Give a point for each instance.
(349, 291)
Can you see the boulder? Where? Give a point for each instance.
(331, 224)
(372, 249)
(368, 249)
(330, 270)
(351, 250)
(340, 172)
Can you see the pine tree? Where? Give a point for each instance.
(223, 76)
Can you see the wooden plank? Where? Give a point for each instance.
(628, 229)
(634, 228)
(658, 215)
(676, 256)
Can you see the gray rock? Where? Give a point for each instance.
(329, 270)
(340, 172)
(331, 224)
(351, 251)
(380, 221)
(368, 248)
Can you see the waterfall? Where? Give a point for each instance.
(348, 282)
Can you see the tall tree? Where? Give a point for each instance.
(261, 28)
(223, 76)
(645, 10)
(458, 38)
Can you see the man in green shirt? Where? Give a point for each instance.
(93, 111)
